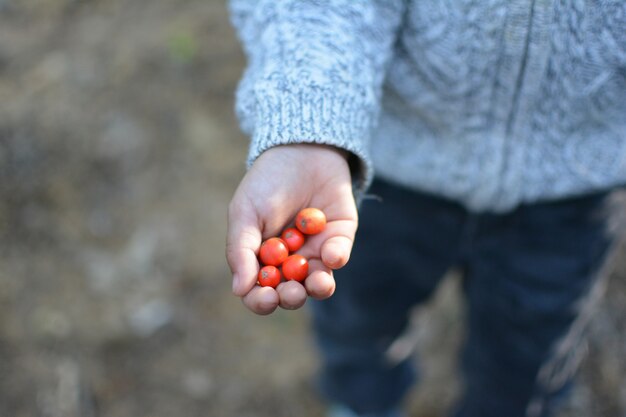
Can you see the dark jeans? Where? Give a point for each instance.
(526, 276)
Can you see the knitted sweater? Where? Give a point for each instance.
(490, 103)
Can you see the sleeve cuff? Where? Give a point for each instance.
(321, 117)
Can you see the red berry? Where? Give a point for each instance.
(293, 238)
(310, 221)
(296, 268)
(269, 276)
(273, 252)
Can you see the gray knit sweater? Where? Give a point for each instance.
(491, 103)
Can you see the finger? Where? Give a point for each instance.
(242, 243)
(336, 251)
(333, 245)
(292, 295)
(320, 284)
(261, 300)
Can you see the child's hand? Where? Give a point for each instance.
(282, 181)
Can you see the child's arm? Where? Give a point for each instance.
(314, 76)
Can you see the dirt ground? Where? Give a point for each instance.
(119, 151)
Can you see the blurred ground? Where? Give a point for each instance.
(119, 151)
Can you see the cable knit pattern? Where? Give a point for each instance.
(493, 103)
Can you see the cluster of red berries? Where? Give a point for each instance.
(274, 252)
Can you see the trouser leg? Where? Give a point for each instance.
(529, 275)
(404, 245)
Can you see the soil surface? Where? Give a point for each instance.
(119, 152)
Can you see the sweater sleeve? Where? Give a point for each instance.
(315, 72)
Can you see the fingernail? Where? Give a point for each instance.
(235, 283)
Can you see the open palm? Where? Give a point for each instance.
(281, 182)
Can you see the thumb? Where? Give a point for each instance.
(335, 250)
(334, 244)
